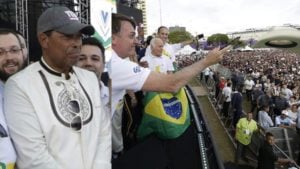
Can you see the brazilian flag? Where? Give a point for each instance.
(165, 115)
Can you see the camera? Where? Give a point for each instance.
(199, 36)
(232, 42)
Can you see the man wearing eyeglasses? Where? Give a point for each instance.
(53, 108)
(11, 61)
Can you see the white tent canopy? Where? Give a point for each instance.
(246, 48)
(186, 50)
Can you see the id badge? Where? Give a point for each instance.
(247, 131)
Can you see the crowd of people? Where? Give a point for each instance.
(56, 114)
(270, 79)
(267, 80)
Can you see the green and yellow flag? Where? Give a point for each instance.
(165, 114)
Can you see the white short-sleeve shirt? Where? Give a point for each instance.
(125, 75)
(160, 64)
(227, 93)
(169, 50)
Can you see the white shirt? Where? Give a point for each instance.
(292, 115)
(160, 64)
(104, 95)
(125, 75)
(286, 121)
(40, 106)
(264, 120)
(249, 84)
(288, 93)
(169, 50)
(7, 152)
(227, 93)
(206, 71)
(255, 74)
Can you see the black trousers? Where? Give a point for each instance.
(248, 94)
(240, 152)
(225, 108)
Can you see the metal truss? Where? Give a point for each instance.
(83, 11)
(129, 3)
(80, 7)
(21, 7)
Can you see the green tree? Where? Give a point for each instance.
(179, 36)
(218, 39)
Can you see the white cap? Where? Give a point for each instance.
(285, 112)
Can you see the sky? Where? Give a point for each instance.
(221, 16)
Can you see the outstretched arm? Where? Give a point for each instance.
(173, 82)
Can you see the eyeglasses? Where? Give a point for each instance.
(13, 51)
(76, 121)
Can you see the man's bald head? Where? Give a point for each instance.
(157, 46)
